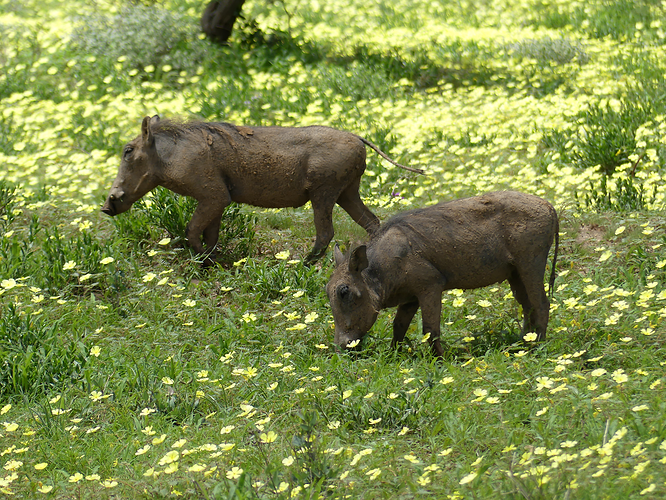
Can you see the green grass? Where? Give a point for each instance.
(127, 370)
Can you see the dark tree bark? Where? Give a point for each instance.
(219, 17)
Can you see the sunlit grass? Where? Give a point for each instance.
(128, 370)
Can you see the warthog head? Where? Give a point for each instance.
(137, 173)
(352, 301)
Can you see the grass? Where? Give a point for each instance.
(127, 370)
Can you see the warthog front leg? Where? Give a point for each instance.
(206, 222)
(403, 318)
(212, 233)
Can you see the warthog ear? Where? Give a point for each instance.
(337, 255)
(146, 133)
(358, 260)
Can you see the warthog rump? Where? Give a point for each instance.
(466, 243)
(273, 167)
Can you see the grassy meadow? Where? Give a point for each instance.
(128, 371)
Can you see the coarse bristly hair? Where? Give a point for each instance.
(174, 127)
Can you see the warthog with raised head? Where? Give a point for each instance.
(466, 243)
(217, 163)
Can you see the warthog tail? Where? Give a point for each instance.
(386, 157)
(551, 281)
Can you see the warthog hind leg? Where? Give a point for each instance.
(531, 296)
(323, 220)
(350, 201)
(431, 311)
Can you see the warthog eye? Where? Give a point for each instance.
(343, 292)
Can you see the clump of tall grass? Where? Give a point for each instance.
(166, 212)
(35, 356)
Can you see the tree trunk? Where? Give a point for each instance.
(219, 17)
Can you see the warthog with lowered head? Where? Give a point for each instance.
(273, 167)
(466, 243)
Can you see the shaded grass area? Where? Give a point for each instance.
(250, 355)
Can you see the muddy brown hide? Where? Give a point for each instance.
(466, 243)
(273, 167)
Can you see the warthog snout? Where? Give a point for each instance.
(113, 204)
(107, 208)
(350, 341)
